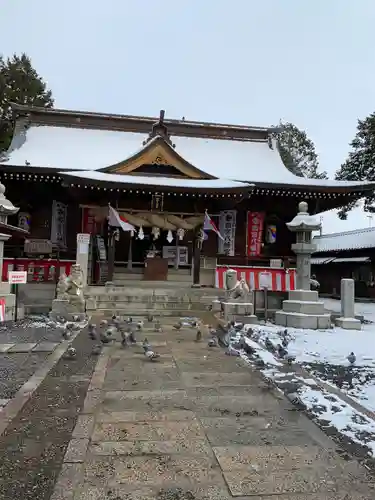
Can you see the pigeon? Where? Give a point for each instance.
(129, 320)
(151, 355)
(66, 334)
(249, 332)
(92, 331)
(116, 322)
(146, 345)
(281, 351)
(132, 337)
(352, 358)
(71, 326)
(76, 318)
(96, 350)
(178, 326)
(231, 351)
(198, 336)
(250, 351)
(290, 358)
(157, 327)
(104, 339)
(150, 318)
(103, 323)
(212, 342)
(285, 342)
(140, 325)
(212, 331)
(71, 353)
(111, 330)
(259, 363)
(124, 338)
(61, 319)
(238, 327)
(269, 345)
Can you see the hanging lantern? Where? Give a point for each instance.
(271, 233)
(131, 234)
(180, 233)
(155, 232)
(141, 234)
(169, 236)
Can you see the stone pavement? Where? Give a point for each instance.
(197, 425)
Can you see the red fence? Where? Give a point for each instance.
(37, 270)
(280, 279)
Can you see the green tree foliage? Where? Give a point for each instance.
(360, 164)
(298, 152)
(21, 84)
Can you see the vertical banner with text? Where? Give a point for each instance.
(255, 223)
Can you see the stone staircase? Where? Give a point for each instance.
(122, 276)
(137, 298)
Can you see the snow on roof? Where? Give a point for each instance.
(349, 240)
(158, 181)
(68, 148)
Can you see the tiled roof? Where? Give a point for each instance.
(348, 240)
(73, 148)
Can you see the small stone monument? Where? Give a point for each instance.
(347, 319)
(303, 308)
(70, 300)
(237, 305)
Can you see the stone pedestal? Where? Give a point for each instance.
(239, 311)
(347, 319)
(303, 310)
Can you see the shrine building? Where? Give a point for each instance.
(63, 169)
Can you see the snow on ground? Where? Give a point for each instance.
(322, 354)
(366, 309)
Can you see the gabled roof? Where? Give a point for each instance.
(348, 240)
(73, 140)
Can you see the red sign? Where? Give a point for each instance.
(255, 223)
(90, 225)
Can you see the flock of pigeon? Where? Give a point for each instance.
(128, 329)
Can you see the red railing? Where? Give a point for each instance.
(44, 270)
(280, 280)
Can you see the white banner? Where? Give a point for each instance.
(227, 228)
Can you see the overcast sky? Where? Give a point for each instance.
(250, 62)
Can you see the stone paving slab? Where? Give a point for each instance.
(215, 379)
(134, 416)
(148, 431)
(45, 347)
(22, 347)
(5, 347)
(165, 447)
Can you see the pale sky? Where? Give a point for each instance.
(247, 62)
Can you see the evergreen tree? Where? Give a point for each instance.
(298, 152)
(360, 164)
(21, 84)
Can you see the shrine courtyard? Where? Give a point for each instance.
(195, 424)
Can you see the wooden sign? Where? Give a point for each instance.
(38, 246)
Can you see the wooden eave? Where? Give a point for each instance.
(120, 186)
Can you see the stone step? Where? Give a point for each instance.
(300, 320)
(107, 313)
(303, 306)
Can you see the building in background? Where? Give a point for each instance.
(348, 254)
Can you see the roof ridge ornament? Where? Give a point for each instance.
(159, 129)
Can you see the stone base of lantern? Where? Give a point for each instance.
(239, 311)
(303, 310)
(348, 323)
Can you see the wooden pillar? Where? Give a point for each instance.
(176, 261)
(130, 252)
(111, 253)
(198, 240)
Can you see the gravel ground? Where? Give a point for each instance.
(28, 330)
(16, 369)
(33, 446)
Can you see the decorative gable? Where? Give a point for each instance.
(158, 150)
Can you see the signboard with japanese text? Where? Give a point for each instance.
(255, 223)
(17, 277)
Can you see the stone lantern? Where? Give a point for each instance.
(303, 225)
(6, 208)
(303, 308)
